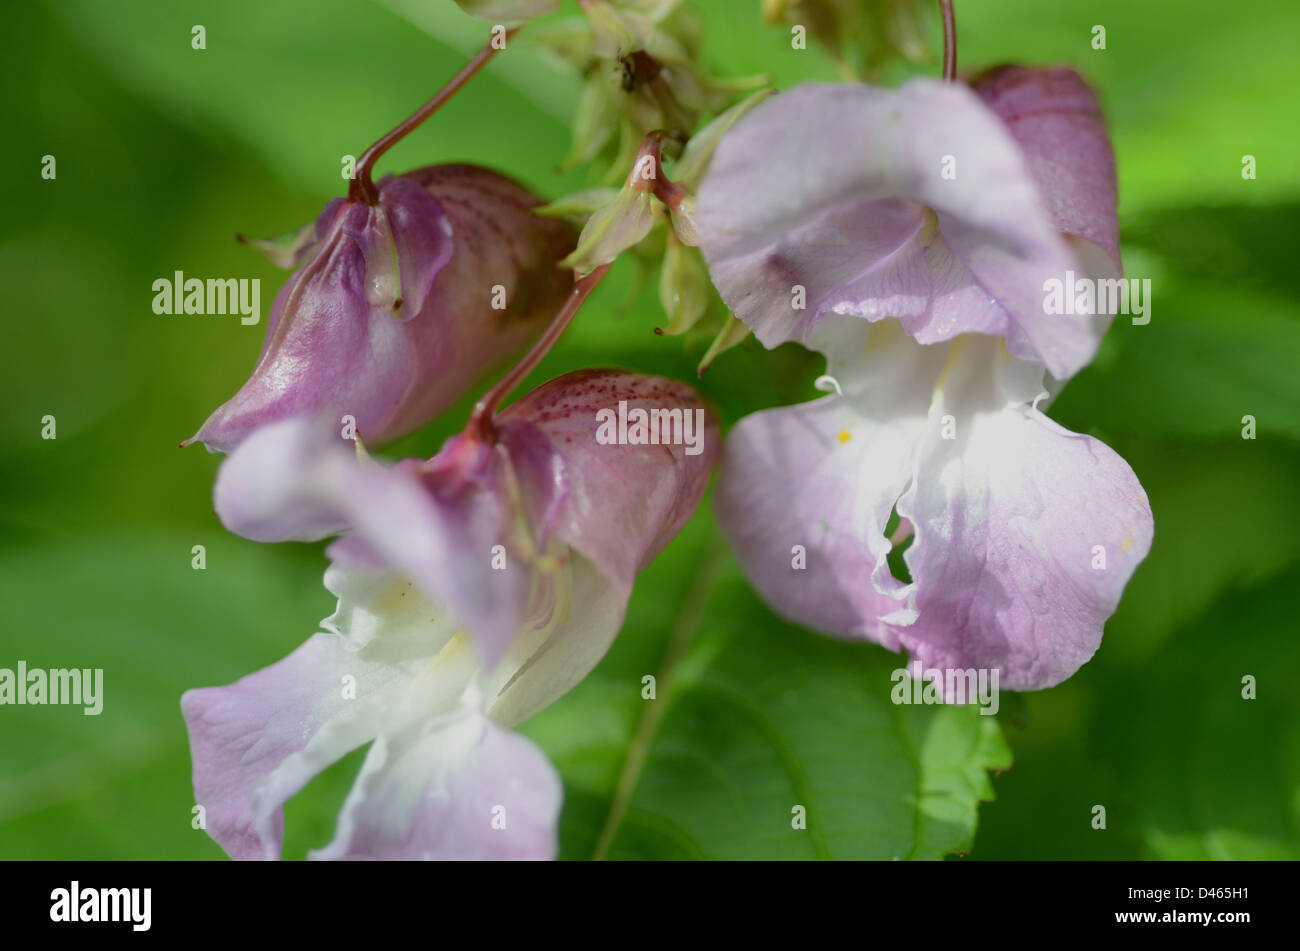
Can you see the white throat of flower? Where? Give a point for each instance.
(899, 397)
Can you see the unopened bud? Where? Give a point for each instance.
(391, 316)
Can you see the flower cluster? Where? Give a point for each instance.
(905, 233)
(474, 588)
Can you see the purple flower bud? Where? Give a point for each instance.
(401, 305)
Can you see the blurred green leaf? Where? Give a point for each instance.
(302, 87)
(117, 785)
(1218, 508)
(1212, 355)
(1184, 765)
(1216, 775)
(1244, 247)
(1188, 88)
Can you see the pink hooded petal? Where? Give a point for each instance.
(258, 741)
(1055, 117)
(621, 503)
(448, 523)
(457, 787)
(550, 480)
(291, 481)
(914, 203)
(282, 482)
(1009, 518)
(392, 318)
(476, 521)
(506, 248)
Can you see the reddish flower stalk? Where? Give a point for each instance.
(363, 188)
(480, 420)
(653, 179)
(949, 40)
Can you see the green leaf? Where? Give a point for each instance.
(301, 90)
(1219, 774)
(751, 719)
(1217, 508)
(1212, 355)
(1185, 766)
(117, 785)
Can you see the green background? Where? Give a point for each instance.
(164, 153)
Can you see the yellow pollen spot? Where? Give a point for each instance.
(1127, 543)
(845, 436)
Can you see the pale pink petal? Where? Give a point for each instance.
(1013, 519)
(622, 503)
(291, 481)
(914, 203)
(456, 787)
(1056, 118)
(824, 476)
(258, 741)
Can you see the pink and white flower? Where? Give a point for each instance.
(907, 234)
(475, 588)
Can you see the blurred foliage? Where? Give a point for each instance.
(165, 152)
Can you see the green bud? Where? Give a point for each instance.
(579, 206)
(684, 225)
(617, 32)
(596, 119)
(613, 229)
(684, 287)
(568, 38)
(861, 35)
(732, 333)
